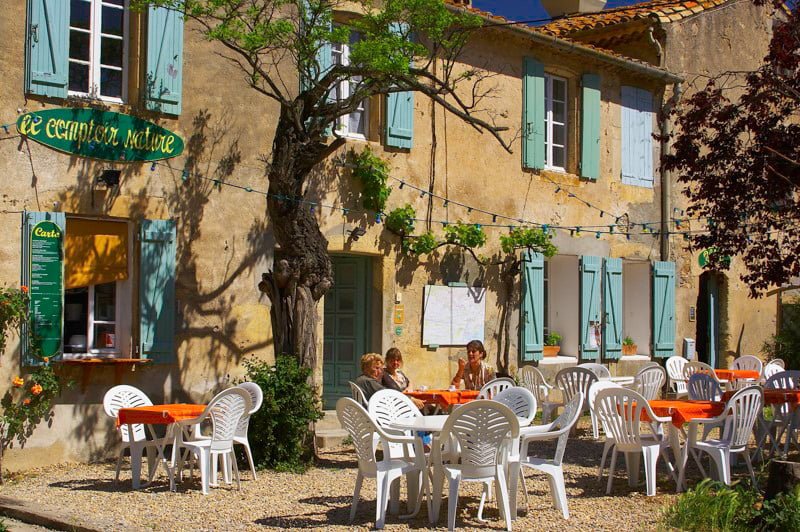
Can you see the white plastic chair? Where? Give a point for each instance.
(737, 422)
(784, 380)
(257, 398)
(779, 362)
(485, 432)
(224, 411)
(701, 367)
(750, 362)
(358, 394)
(495, 386)
(782, 420)
(533, 380)
(124, 396)
(573, 380)
(598, 369)
(557, 430)
(703, 387)
(620, 410)
(597, 423)
(521, 401)
(386, 407)
(677, 381)
(771, 369)
(365, 431)
(649, 381)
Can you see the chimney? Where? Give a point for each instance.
(560, 8)
(461, 3)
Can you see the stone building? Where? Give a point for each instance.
(161, 259)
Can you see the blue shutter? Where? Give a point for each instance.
(637, 137)
(663, 309)
(531, 322)
(47, 61)
(590, 280)
(400, 114)
(29, 220)
(590, 126)
(533, 114)
(164, 76)
(612, 311)
(157, 290)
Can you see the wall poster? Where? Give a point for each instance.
(47, 286)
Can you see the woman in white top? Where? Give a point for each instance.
(477, 372)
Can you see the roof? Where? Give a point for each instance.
(569, 45)
(664, 11)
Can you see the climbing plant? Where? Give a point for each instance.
(372, 172)
(401, 220)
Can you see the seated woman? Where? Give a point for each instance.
(372, 373)
(477, 372)
(393, 377)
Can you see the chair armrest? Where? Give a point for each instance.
(527, 438)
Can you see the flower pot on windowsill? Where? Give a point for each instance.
(629, 349)
(551, 350)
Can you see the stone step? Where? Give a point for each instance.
(328, 432)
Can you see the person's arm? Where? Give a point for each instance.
(460, 373)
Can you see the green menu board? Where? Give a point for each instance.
(47, 286)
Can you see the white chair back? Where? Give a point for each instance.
(771, 369)
(565, 422)
(703, 387)
(749, 362)
(495, 386)
(620, 412)
(594, 389)
(742, 411)
(677, 381)
(649, 381)
(784, 380)
(521, 401)
(779, 362)
(485, 431)
(225, 410)
(573, 380)
(125, 396)
(256, 398)
(532, 379)
(598, 369)
(358, 394)
(698, 367)
(361, 428)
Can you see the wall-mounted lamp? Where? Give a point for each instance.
(357, 233)
(110, 178)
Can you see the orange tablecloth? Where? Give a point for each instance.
(683, 411)
(444, 398)
(734, 374)
(159, 414)
(773, 397)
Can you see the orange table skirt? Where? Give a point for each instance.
(159, 414)
(683, 411)
(444, 398)
(735, 374)
(774, 397)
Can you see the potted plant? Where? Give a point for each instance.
(628, 346)
(551, 341)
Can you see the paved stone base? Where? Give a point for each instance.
(29, 513)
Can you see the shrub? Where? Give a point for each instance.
(553, 338)
(781, 513)
(714, 506)
(786, 344)
(280, 432)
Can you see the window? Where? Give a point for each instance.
(97, 49)
(555, 123)
(91, 319)
(355, 123)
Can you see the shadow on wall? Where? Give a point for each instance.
(206, 312)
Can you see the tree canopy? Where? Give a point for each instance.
(737, 150)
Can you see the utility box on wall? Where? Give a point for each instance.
(689, 348)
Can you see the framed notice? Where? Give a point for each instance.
(47, 286)
(453, 315)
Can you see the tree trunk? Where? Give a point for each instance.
(302, 271)
(508, 274)
(783, 477)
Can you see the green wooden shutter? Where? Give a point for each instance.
(531, 323)
(47, 60)
(590, 281)
(590, 127)
(533, 114)
(663, 309)
(612, 308)
(400, 113)
(164, 78)
(29, 220)
(157, 290)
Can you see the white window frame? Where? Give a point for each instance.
(549, 122)
(95, 42)
(342, 126)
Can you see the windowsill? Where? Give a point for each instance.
(89, 360)
(559, 359)
(633, 357)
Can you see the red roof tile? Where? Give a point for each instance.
(663, 10)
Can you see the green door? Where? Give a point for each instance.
(346, 327)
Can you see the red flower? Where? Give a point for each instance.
(36, 389)
(23, 289)
(17, 382)
(26, 402)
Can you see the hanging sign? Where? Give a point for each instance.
(102, 135)
(47, 286)
(703, 258)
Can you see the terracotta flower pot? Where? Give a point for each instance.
(551, 350)
(629, 349)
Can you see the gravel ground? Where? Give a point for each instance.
(321, 498)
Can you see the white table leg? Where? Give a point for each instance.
(632, 461)
(136, 459)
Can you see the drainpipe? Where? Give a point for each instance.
(659, 51)
(666, 176)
